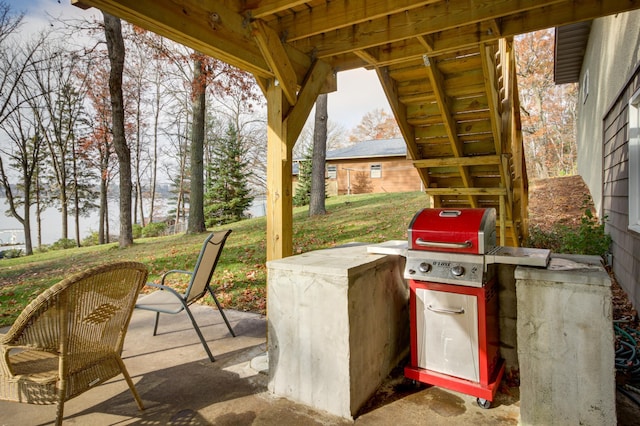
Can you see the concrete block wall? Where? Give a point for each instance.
(508, 316)
(565, 343)
(338, 323)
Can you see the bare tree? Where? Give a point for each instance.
(115, 46)
(24, 157)
(547, 110)
(59, 112)
(376, 124)
(336, 138)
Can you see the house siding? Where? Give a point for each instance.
(612, 60)
(612, 53)
(397, 175)
(615, 191)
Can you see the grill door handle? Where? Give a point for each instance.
(458, 311)
(423, 243)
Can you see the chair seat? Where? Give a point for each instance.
(160, 301)
(38, 365)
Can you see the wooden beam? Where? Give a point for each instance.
(561, 13)
(208, 27)
(274, 53)
(311, 88)
(215, 31)
(487, 54)
(480, 160)
(466, 191)
(279, 169)
(285, 122)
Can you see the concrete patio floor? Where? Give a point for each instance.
(180, 386)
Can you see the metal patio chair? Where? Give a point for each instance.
(69, 339)
(169, 301)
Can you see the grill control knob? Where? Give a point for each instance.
(424, 267)
(457, 271)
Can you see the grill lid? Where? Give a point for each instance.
(453, 230)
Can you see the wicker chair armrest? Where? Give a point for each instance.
(5, 351)
(174, 271)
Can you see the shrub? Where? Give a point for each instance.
(11, 253)
(588, 237)
(154, 229)
(539, 238)
(63, 243)
(90, 240)
(136, 230)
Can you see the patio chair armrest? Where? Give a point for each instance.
(166, 288)
(174, 271)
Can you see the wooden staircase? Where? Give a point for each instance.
(459, 114)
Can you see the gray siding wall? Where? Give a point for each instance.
(611, 59)
(615, 191)
(612, 53)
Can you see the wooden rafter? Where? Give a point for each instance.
(338, 14)
(433, 18)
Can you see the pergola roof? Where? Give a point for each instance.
(446, 67)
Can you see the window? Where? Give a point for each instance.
(634, 162)
(376, 171)
(332, 172)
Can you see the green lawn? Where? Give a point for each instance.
(241, 274)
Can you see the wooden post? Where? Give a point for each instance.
(279, 169)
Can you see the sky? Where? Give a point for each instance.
(359, 91)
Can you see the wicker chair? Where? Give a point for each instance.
(169, 301)
(69, 339)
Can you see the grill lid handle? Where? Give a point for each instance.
(423, 243)
(450, 213)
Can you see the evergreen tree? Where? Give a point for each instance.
(227, 196)
(303, 190)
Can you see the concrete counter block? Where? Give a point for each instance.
(338, 323)
(566, 343)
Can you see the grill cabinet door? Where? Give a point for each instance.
(447, 333)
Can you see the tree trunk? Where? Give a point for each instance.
(196, 200)
(154, 167)
(76, 194)
(115, 45)
(318, 191)
(103, 211)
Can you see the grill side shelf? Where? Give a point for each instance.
(518, 256)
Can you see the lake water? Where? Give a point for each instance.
(11, 229)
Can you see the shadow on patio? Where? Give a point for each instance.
(179, 385)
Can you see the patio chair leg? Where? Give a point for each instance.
(197, 329)
(155, 326)
(224, 317)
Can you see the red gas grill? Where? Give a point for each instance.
(455, 334)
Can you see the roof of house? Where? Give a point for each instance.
(368, 149)
(570, 45)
